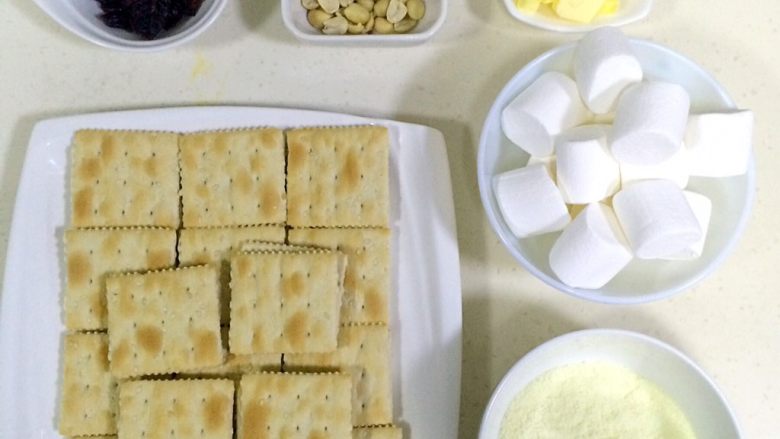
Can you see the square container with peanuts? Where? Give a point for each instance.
(295, 17)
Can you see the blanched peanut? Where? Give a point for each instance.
(380, 8)
(396, 11)
(368, 4)
(329, 6)
(382, 26)
(405, 25)
(317, 18)
(416, 9)
(310, 4)
(356, 29)
(357, 14)
(354, 17)
(336, 26)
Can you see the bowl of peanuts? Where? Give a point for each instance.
(364, 22)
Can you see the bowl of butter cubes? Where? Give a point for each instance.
(617, 170)
(577, 15)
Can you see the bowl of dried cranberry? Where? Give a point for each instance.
(135, 25)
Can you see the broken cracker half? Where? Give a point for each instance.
(88, 403)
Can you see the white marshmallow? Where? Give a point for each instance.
(530, 202)
(720, 143)
(702, 208)
(674, 168)
(586, 170)
(591, 250)
(549, 162)
(548, 106)
(604, 65)
(656, 218)
(650, 122)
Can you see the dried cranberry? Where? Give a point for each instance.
(117, 20)
(148, 18)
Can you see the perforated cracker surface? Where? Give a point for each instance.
(92, 253)
(184, 409)
(367, 278)
(282, 302)
(233, 178)
(215, 245)
(165, 321)
(236, 365)
(273, 406)
(338, 176)
(124, 178)
(88, 403)
(363, 352)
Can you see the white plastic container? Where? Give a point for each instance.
(82, 18)
(630, 11)
(294, 17)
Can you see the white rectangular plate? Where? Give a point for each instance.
(425, 311)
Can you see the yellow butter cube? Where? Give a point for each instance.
(610, 7)
(529, 6)
(581, 11)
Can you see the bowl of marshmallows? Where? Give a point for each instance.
(617, 170)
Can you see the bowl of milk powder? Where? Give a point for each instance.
(607, 383)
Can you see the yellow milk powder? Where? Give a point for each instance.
(597, 400)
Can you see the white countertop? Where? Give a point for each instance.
(729, 324)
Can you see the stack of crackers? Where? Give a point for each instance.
(228, 284)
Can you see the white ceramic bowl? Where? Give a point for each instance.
(81, 18)
(629, 12)
(673, 372)
(642, 280)
(294, 17)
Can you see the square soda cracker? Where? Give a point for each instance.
(367, 278)
(285, 302)
(90, 254)
(233, 178)
(124, 178)
(89, 392)
(377, 432)
(338, 176)
(164, 321)
(215, 245)
(363, 352)
(173, 409)
(282, 405)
